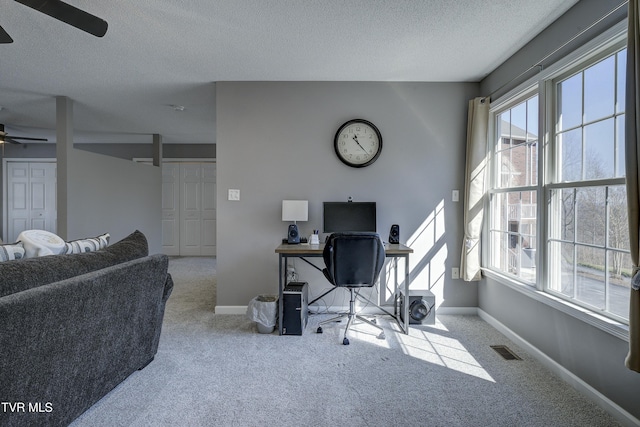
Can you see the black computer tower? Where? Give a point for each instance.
(295, 311)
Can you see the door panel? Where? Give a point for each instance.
(189, 209)
(171, 208)
(209, 209)
(31, 197)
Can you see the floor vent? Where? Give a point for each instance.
(505, 352)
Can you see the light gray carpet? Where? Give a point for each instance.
(216, 370)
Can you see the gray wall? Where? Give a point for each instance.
(110, 195)
(594, 356)
(275, 142)
(111, 192)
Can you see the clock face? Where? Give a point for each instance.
(358, 143)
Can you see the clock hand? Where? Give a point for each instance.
(355, 138)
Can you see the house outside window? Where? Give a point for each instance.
(574, 244)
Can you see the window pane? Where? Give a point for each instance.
(519, 123)
(516, 146)
(503, 129)
(532, 119)
(562, 263)
(513, 235)
(570, 148)
(500, 252)
(569, 95)
(618, 219)
(620, 158)
(599, 150)
(590, 216)
(567, 214)
(599, 90)
(590, 276)
(522, 166)
(622, 64)
(619, 278)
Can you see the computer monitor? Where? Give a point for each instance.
(348, 216)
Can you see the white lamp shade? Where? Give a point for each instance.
(295, 210)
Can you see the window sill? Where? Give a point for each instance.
(613, 327)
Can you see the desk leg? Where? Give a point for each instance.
(281, 283)
(407, 279)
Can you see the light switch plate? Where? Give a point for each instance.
(455, 273)
(234, 194)
(455, 195)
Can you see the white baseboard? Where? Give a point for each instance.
(461, 311)
(230, 309)
(624, 417)
(242, 309)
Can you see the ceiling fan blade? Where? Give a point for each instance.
(26, 138)
(5, 38)
(9, 139)
(69, 14)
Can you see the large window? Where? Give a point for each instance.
(578, 249)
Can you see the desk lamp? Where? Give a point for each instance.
(294, 210)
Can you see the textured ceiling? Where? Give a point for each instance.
(161, 52)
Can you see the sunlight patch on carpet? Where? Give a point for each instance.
(440, 350)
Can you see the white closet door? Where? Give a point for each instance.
(171, 208)
(208, 209)
(31, 197)
(190, 209)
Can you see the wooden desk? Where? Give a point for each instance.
(302, 251)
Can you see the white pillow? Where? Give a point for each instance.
(87, 245)
(11, 251)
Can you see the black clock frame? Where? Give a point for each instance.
(337, 137)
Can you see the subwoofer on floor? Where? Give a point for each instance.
(422, 308)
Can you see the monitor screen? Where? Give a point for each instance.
(348, 216)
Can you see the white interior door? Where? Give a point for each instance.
(208, 209)
(171, 208)
(31, 197)
(197, 201)
(190, 209)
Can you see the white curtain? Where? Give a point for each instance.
(477, 127)
(632, 158)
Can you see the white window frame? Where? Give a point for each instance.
(542, 83)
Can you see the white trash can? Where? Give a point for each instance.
(263, 310)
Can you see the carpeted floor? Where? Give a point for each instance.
(216, 370)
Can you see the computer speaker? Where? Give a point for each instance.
(394, 234)
(293, 236)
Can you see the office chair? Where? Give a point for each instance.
(353, 260)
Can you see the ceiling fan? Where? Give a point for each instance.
(63, 12)
(5, 137)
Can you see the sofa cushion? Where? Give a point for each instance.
(18, 275)
(11, 251)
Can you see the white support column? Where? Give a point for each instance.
(64, 145)
(157, 149)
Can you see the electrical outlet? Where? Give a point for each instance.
(455, 273)
(234, 194)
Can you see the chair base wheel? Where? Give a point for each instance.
(345, 341)
(319, 330)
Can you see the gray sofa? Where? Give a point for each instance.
(72, 327)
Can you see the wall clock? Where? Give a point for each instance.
(358, 143)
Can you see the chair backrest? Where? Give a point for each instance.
(353, 258)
